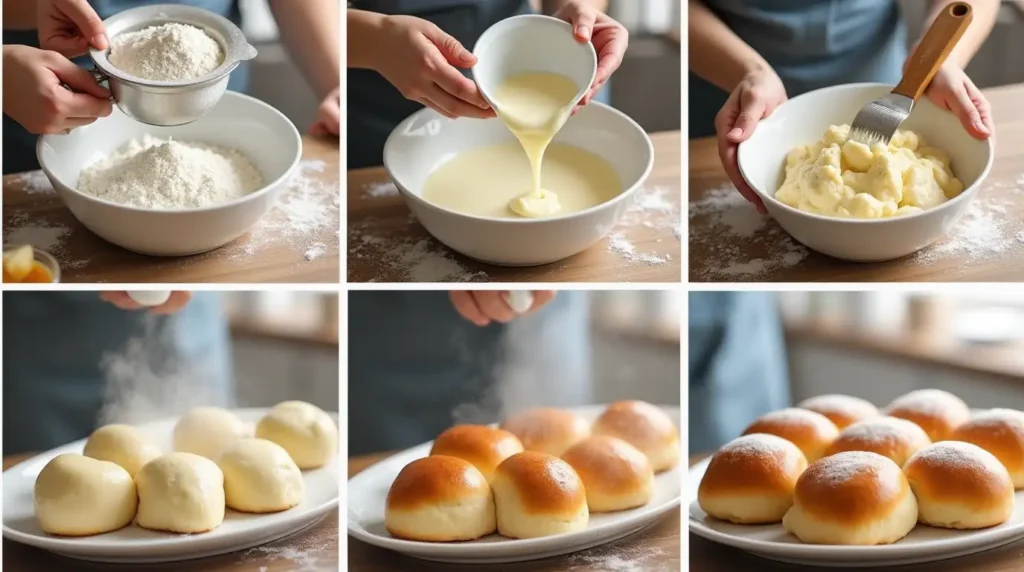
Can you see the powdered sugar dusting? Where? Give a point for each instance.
(839, 404)
(958, 456)
(794, 415)
(757, 444)
(884, 429)
(926, 401)
(998, 418)
(835, 471)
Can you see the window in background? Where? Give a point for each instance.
(653, 314)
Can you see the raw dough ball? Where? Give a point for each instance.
(150, 297)
(304, 430)
(81, 496)
(180, 492)
(208, 432)
(259, 476)
(121, 444)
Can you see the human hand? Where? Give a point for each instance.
(754, 99)
(122, 300)
(69, 27)
(328, 121)
(609, 37)
(484, 306)
(952, 90)
(35, 98)
(419, 59)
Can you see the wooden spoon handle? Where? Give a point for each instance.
(929, 55)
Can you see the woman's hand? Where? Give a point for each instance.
(420, 59)
(69, 27)
(484, 306)
(35, 98)
(328, 121)
(754, 99)
(122, 300)
(609, 37)
(952, 90)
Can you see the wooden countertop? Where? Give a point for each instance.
(312, 549)
(275, 251)
(385, 244)
(653, 548)
(986, 245)
(707, 556)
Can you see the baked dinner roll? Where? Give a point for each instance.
(121, 444)
(615, 474)
(938, 412)
(960, 485)
(751, 479)
(547, 430)
(180, 492)
(260, 477)
(536, 494)
(890, 437)
(439, 499)
(811, 432)
(485, 447)
(843, 410)
(75, 495)
(854, 497)
(1000, 432)
(304, 430)
(207, 432)
(644, 426)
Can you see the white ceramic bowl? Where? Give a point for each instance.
(426, 139)
(238, 121)
(804, 119)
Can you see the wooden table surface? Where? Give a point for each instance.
(382, 233)
(276, 250)
(310, 550)
(707, 556)
(987, 244)
(653, 548)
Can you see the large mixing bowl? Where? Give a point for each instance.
(804, 119)
(238, 121)
(426, 140)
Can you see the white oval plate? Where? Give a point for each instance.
(923, 544)
(368, 490)
(133, 544)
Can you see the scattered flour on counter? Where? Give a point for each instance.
(381, 189)
(619, 557)
(985, 231)
(315, 251)
(169, 52)
(304, 549)
(34, 183)
(411, 259)
(651, 208)
(18, 229)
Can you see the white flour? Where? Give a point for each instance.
(411, 259)
(53, 238)
(651, 208)
(985, 231)
(34, 183)
(381, 189)
(625, 556)
(169, 52)
(153, 173)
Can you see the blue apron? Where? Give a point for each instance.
(737, 369)
(54, 346)
(811, 44)
(416, 367)
(20, 145)
(375, 107)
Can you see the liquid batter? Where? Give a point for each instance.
(483, 181)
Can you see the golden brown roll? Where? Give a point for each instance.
(547, 429)
(1000, 432)
(854, 497)
(439, 499)
(644, 426)
(811, 432)
(890, 437)
(485, 447)
(751, 479)
(843, 410)
(615, 474)
(938, 412)
(536, 494)
(960, 485)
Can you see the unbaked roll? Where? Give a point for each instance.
(751, 479)
(439, 499)
(536, 494)
(304, 430)
(1000, 432)
(854, 497)
(960, 485)
(890, 437)
(615, 474)
(644, 426)
(938, 412)
(207, 432)
(180, 492)
(260, 477)
(75, 495)
(811, 432)
(486, 447)
(547, 430)
(121, 444)
(843, 410)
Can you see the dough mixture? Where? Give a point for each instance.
(157, 174)
(169, 52)
(839, 177)
(484, 181)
